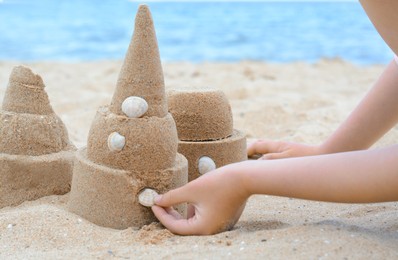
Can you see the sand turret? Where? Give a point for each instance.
(26, 94)
(132, 144)
(205, 129)
(33, 142)
(142, 74)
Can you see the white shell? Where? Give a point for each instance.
(146, 197)
(116, 141)
(134, 107)
(206, 164)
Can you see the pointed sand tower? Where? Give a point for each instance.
(132, 143)
(36, 156)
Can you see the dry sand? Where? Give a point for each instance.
(297, 102)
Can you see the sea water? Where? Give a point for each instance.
(84, 30)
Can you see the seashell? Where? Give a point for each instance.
(206, 164)
(134, 107)
(116, 141)
(146, 197)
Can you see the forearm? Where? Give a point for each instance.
(371, 119)
(355, 177)
(378, 111)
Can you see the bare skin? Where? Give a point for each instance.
(370, 120)
(338, 170)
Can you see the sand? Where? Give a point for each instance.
(205, 129)
(106, 181)
(296, 102)
(201, 115)
(36, 156)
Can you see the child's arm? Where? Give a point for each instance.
(219, 196)
(371, 119)
(362, 176)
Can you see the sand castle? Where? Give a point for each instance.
(205, 130)
(133, 151)
(36, 156)
(132, 146)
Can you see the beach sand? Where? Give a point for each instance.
(296, 102)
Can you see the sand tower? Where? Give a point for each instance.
(36, 156)
(132, 144)
(205, 130)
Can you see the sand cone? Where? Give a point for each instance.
(205, 130)
(141, 74)
(130, 147)
(26, 94)
(36, 156)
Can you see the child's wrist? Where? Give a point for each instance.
(324, 148)
(239, 177)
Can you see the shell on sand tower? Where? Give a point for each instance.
(132, 144)
(134, 107)
(116, 141)
(147, 197)
(205, 129)
(33, 142)
(206, 164)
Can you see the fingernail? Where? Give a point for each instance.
(157, 199)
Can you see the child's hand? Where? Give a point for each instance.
(277, 150)
(216, 200)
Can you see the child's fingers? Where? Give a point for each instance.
(173, 212)
(190, 211)
(272, 156)
(175, 225)
(255, 147)
(173, 197)
(262, 147)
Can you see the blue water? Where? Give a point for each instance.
(73, 30)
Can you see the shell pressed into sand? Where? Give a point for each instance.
(116, 141)
(134, 107)
(146, 197)
(206, 164)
